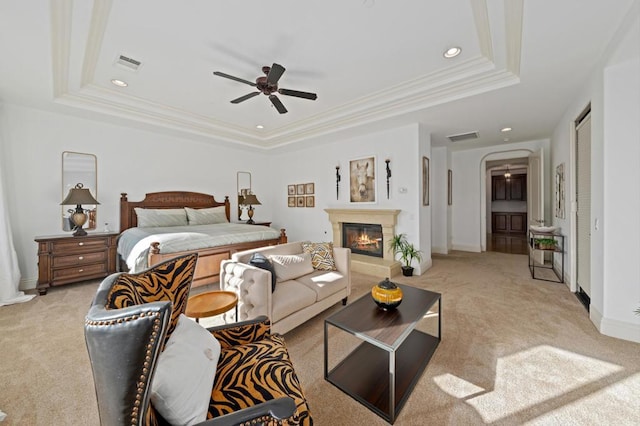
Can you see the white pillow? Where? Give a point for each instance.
(290, 267)
(161, 217)
(182, 384)
(207, 216)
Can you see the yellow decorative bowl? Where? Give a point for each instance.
(386, 294)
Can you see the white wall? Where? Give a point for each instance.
(404, 146)
(438, 201)
(469, 190)
(129, 160)
(614, 94)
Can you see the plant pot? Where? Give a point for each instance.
(407, 271)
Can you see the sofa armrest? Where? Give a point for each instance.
(241, 333)
(251, 284)
(276, 409)
(342, 258)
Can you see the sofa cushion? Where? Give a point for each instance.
(260, 261)
(324, 283)
(185, 373)
(321, 255)
(290, 267)
(289, 297)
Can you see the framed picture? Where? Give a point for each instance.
(449, 187)
(559, 201)
(362, 180)
(300, 189)
(309, 188)
(291, 189)
(291, 201)
(310, 201)
(300, 202)
(425, 181)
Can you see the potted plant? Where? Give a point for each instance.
(407, 251)
(546, 243)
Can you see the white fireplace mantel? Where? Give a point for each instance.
(387, 218)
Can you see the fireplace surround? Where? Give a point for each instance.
(384, 266)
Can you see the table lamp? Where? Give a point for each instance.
(250, 200)
(78, 196)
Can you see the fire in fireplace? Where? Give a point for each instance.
(363, 238)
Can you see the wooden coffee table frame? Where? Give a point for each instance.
(383, 370)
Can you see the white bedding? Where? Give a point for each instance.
(133, 244)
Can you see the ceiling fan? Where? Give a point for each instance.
(268, 85)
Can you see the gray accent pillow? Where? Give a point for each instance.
(290, 267)
(161, 217)
(208, 216)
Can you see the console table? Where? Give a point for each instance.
(538, 250)
(381, 372)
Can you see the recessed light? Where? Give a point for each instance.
(119, 83)
(452, 52)
(506, 129)
(259, 126)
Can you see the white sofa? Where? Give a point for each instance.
(293, 301)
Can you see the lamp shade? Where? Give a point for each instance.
(251, 200)
(79, 195)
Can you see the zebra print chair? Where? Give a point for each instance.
(128, 324)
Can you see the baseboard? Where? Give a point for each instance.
(439, 250)
(466, 247)
(614, 328)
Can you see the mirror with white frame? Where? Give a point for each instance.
(79, 168)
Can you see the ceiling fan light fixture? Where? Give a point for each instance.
(119, 83)
(452, 52)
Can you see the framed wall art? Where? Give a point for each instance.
(362, 180)
(300, 189)
(300, 202)
(310, 201)
(449, 187)
(309, 188)
(425, 181)
(291, 190)
(291, 201)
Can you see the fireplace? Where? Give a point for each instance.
(383, 262)
(363, 238)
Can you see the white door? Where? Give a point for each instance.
(535, 194)
(583, 210)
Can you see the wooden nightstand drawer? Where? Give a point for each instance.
(79, 259)
(80, 271)
(79, 246)
(63, 259)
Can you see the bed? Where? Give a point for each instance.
(142, 247)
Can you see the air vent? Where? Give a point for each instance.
(463, 136)
(128, 63)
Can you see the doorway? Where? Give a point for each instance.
(583, 206)
(507, 217)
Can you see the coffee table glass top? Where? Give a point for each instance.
(366, 320)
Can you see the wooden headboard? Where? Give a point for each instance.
(166, 200)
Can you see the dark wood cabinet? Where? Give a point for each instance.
(64, 259)
(512, 189)
(508, 222)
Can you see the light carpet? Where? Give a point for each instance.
(514, 351)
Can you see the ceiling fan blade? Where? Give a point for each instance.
(298, 94)
(241, 80)
(276, 103)
(245, 97)
(275, 73)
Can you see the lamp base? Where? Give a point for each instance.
(250, 213)
(80, 232)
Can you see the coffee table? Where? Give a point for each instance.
(211, 303)
(381, 372)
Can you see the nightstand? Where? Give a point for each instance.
(65, 259)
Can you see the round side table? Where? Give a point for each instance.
(211, 303)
